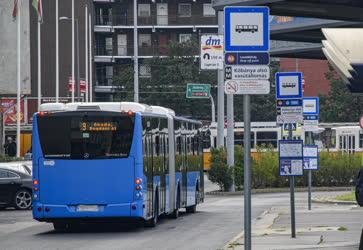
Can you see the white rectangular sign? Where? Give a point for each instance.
(291, 167)
(252, 87)
(211, 52)
(291, 110)
(281, 119)
(311, 125)
(311, 105)
(240, 72)
(311, 164)
(311, 152)
(291, 149)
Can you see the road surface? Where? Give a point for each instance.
(217, 221)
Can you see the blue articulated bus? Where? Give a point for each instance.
(114, 162)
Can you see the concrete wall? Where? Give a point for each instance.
(8, 49)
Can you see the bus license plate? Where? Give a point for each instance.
(88, 208)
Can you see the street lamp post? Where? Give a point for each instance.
(77, 38)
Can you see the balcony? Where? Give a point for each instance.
(159, 20)
(104, 54)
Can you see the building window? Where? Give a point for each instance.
(109, 46)
(145, 71)
(185, 10)
(208, 10)
(145, 40)
(109, 75)
(144, 10)
(183, 38)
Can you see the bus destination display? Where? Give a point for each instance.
(98, 126)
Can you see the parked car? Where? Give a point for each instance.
(16, 185)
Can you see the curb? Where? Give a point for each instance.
(280, 190)
(334, 202)
(259, 222)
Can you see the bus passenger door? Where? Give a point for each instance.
(149, 173)
(184, 171)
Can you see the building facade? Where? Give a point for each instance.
(159, 23)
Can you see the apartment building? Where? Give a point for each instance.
(158, 23)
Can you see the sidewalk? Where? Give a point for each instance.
(327, 226)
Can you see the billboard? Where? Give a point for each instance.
(8, 49)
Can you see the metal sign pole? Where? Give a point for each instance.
(230, 136)
(309, 175)
(292, 195)
(247, 171)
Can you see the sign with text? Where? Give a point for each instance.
(311, 113)
(311, 157)
(239, 72)
(244, 58)
(291, 157)
(244, 87)
(211, 52)
(247, 29)
(289, 85)
(198, 91)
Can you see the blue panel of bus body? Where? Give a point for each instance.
(193, 178)
(64, 185)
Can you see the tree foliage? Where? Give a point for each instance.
(170, 76)
(340, 105)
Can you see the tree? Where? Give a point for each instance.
(167, 84)
(340, 105)
(169, 77)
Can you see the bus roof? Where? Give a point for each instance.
(107, 106)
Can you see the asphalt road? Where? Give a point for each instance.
(217, 221)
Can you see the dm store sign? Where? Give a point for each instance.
(211, 52)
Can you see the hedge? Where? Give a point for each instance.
(336, 169)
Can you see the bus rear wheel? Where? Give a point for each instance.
(193, 209)
(175, 213)
(154, 220)
(60, 226)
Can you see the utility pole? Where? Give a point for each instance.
(90, 58)
(220, 107)
(136, 56)
(73, 53)
(57, 49)
(18, 92)
(86, 51)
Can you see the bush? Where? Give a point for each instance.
(265, 168)
(219, 171)
(238, 167)
(336, 169)
(5, 158)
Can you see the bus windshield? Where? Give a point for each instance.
(86, 135)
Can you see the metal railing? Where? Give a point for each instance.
(155, 20)
(101, 50)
